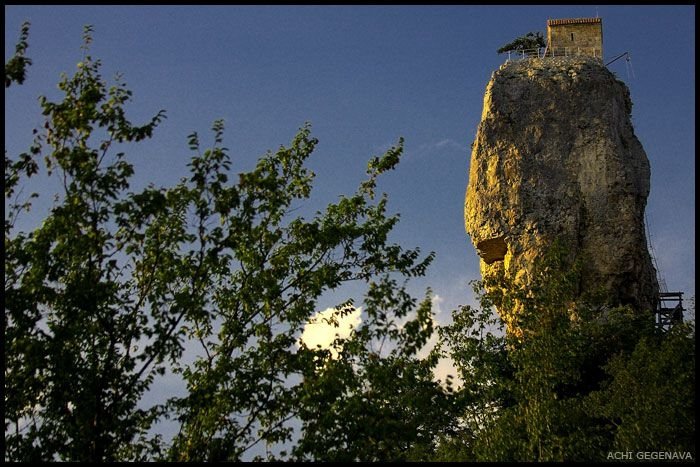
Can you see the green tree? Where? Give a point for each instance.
(16, 67)
(529, 42)
(107, 292)
(265, 271)
(579, 379)
(74, 312)
(363, 406)
(650, 397)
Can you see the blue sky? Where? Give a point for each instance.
(363, 76)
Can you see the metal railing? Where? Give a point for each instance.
(575, 52)
(523, 54)
(542, 52)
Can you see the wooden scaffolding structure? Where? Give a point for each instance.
(669, 310)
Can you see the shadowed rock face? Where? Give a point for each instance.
(555, 156)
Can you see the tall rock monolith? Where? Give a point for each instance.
(556, 157)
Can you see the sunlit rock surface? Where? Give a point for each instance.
(555, 156)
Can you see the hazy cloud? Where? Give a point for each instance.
(447, 144)
(426, 149)
(450, 143)
(321, 332)
(436, 301)
(445, 366)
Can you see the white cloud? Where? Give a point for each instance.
(321, 330)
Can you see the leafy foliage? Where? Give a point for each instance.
(265, 273)
(530, 41)
(572, 380)
(74, 310)
(16, 67)
(650, 399)
(367, 407)
(108, 292)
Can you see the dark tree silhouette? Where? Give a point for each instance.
(531, 40)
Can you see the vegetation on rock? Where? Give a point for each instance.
(530, 41)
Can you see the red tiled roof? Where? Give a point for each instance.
(557, 22)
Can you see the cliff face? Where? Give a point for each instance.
(555, 156)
